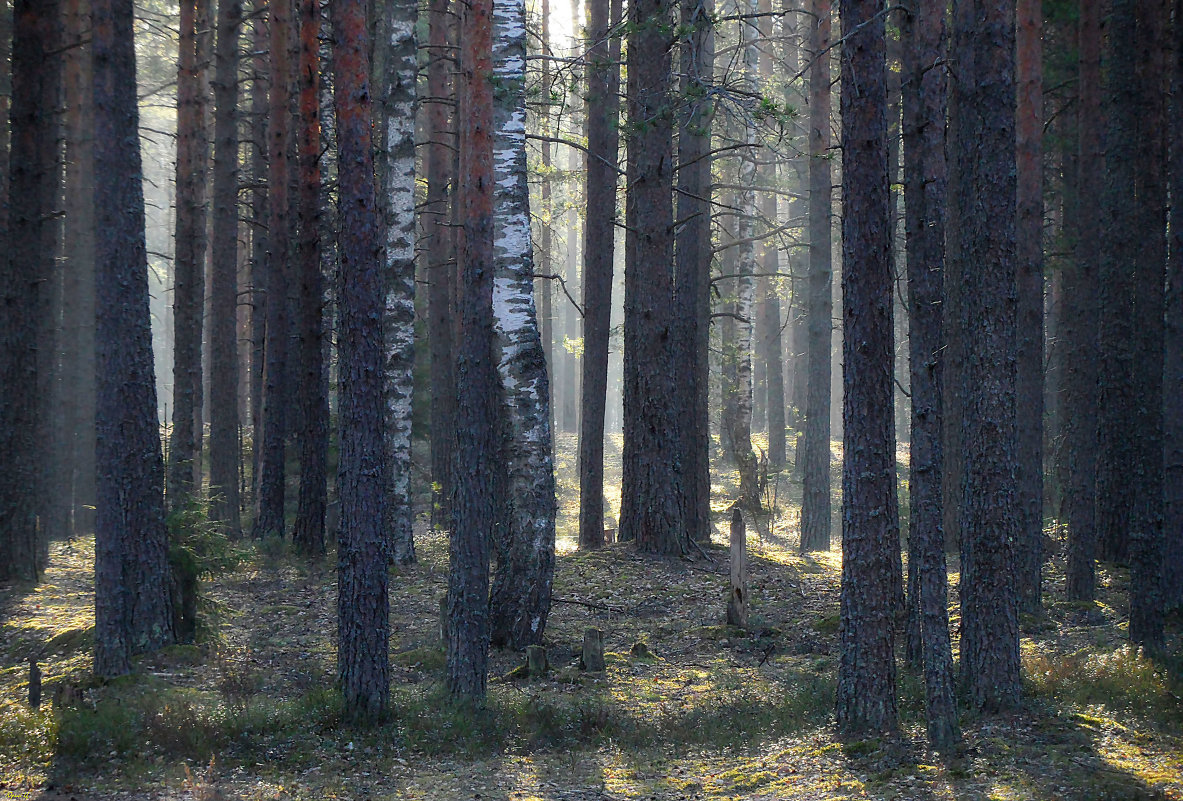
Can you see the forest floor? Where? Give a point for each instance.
(687, 708)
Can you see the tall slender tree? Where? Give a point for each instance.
(397, 99)
(693, 262)
(651, 489)
(188, 260)
(1146, 516)
(815, 447)
(78, 374)
(603, 142)
(771, 340)
(525, 546)
(260, 241)
(223, 334)
(1173, 355)
(1029, 255)
(269, 513)
(476, 432)
(982, 194)
(440, 244)
(308, 533)
(133, 609)
(866, 665)
(1081, 317)
(925, 90)
(736, 370)
(363, 603)
(1117, 405)
(32, 178)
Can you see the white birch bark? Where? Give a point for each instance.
(525, 553)
(741, 423)
(398, 100)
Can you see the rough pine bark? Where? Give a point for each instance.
(260, 241)
(651, 488)
(1146, 516)
(269, 511)
(815, 444)
(78, 267)
(363, 603)
(476, 377)
(603, 142)
(397, 101)
(1081, 317)
(30, 264)
(308, 532)
(223, 333)
(866, 663)
(925, 90)
(1117, 406)
(133, 608)
(1029, 255)
(188, 261)
(692, 251)
(441, 272)
(525, 546)
(1173, 354)
(737, 353)
(982, 195)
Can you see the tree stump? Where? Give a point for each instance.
(737, 603)
(535, 661)
(34, 684)
(593, 650)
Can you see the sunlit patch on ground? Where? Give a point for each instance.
(688, 707)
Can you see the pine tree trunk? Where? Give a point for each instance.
(815, 456)
(308, 533)
(692, 252)
(133, 608)
(362, 598)
(1081, 319)
(269, 514)
(223, 334)
(1146, 516)
(982, 197)
(924, 105)
(651, 505)
(866, 665)
(1029, 239)
(33, 179)
(525, 548)
(440, 264)
(78, 267)
(603, 140)
(260, 241)
(476, 433)
(188, 262)
(1117, 407)
(1173, 357)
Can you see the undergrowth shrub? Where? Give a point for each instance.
(198, 549)
(1124, 679)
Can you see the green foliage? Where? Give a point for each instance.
(198, 549)
(1123, 679)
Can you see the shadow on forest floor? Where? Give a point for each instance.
(701, 711)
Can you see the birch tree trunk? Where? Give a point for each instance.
(397, 98)
(737, 408)
(525, 550)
